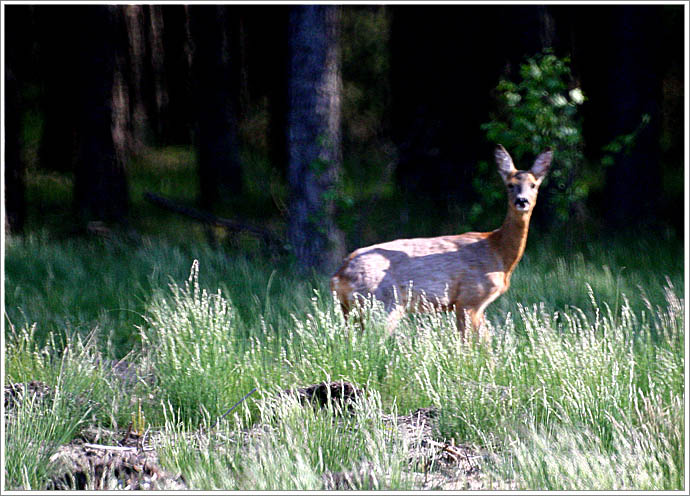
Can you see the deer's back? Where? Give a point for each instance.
(434, 267)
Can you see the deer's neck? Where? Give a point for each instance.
(509, 240)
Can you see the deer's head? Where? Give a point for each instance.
(522, 185)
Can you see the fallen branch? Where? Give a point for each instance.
(209, 218)
(115, 448)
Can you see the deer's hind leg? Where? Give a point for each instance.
(395, 313)
(352, 305)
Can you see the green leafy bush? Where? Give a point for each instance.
(537, 113)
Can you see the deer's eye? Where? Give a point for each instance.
(511, 186)
(533, 185)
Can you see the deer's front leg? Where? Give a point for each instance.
(471, 320)
(464, 320)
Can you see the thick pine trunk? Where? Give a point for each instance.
(314, 138)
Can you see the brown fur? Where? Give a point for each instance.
(464, 272)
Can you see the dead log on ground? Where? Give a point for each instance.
(268, 237)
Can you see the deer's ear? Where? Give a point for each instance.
(542, 164)
(504, 162)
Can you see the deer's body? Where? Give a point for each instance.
(464, 272)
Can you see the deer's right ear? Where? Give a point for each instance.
(542, 164)
(504, 162)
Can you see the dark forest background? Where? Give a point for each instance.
(318, 129)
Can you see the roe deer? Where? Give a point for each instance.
(464, 272)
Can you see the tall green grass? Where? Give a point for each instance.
(566, 372)
(77, 285)
(77, 393)
(581, 386)
(293, 447)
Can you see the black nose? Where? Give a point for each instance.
(521, 202)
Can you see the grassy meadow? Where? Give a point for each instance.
(581, 388)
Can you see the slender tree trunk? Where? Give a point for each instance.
(314, 139)
(100, 183)
(220, 171)
(135, 74)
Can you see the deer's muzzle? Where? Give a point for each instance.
(521, 203)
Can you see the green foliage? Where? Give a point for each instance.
(623, 143)
(292, 449)
(536, 113)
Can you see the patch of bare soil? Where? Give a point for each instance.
(443, 465)
(84, 463)
(13, 393)
(96, 459)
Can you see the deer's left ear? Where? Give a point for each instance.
(504, 162)
(542, 164)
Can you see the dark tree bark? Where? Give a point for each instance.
(100, 183)
(135, 76)
(156, 73)
(314, 138)
(19, 36)
(220, 171)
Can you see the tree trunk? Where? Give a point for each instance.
(134, 75)
(220, 170)
(100, 184)
(314, 139)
